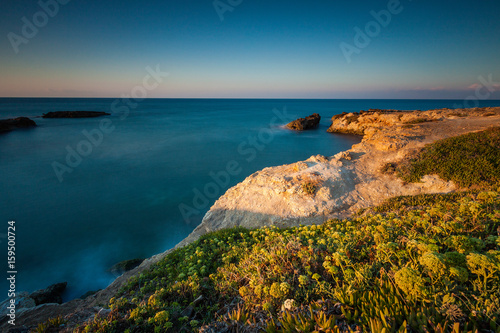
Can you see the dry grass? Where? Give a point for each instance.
(310, 183)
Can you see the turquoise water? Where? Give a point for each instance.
(83, 202)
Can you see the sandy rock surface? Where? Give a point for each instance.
(349, 180)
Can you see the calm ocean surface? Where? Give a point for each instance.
(121, 199)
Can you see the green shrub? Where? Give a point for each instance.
(51, 325)
(467, 160)
(309, 188)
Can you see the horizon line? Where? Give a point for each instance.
(240, 98)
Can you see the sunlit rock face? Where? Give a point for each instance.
(307, 123)
(321, 188)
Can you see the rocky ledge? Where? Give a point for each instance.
(368, 123)
(321, 188)
(8, 125)
(74, 114)
(307, 123)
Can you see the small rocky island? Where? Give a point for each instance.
(75, 114)
(307, 123)
(8, 125)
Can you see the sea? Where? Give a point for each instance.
(85, 194)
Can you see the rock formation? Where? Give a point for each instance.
(74, 114)
(51, 294)
(306, 123)
(125, 266)
(8, 125)
(22, 301)
(351, 180)
(368, 123)
(33, 306)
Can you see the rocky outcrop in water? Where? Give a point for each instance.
(74, 114)
(125, 266)
(307, 123)
(8, 125)
(51, 294)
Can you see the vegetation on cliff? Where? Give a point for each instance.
(427, 263)
(431, 267)
(468, 160)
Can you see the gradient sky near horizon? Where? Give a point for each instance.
(262, 49)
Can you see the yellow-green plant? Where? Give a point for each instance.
(427, 263)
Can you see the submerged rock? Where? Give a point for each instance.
(75, 114)
(8, 125)
(306, 123)
(52, 294)
(125, 266)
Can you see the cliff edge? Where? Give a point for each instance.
(321, 188)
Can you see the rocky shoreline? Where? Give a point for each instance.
(315, 190)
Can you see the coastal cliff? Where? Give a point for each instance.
(321, 188)
(312, 191)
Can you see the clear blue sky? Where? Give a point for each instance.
(268, 49)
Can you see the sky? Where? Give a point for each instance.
(251, 49)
